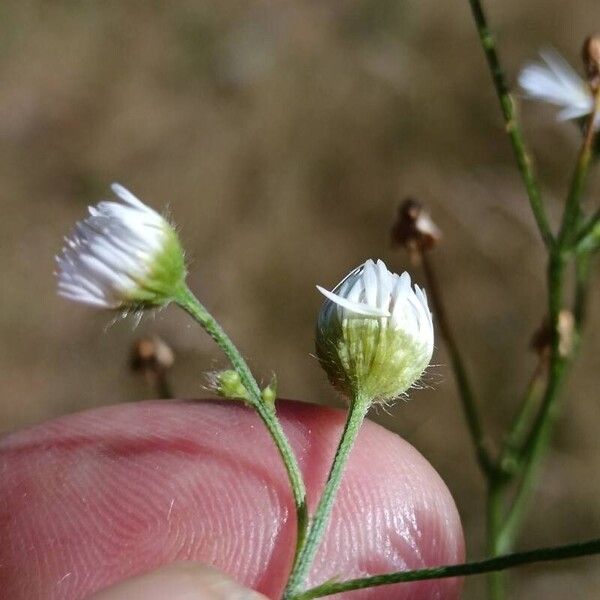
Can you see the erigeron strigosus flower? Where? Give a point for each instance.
(124, 255)
(554, 81)
(374, 333)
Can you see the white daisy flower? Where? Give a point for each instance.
(554, 81)
(124, 255)
(374, 332)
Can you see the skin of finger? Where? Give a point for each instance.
(179, 581)
(96, 497)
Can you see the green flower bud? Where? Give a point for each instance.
(228, 384)
(269, 394)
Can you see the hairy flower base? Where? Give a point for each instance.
(164, 277)
(371, 358)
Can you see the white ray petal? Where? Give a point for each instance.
(354, 307)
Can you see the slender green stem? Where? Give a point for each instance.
(534, 447)
(588, 229)
(517, 433)
(356, 414)
(558, 362)
(460, 373)
(186, 300)
(495, 516)
(582, 275)
(578, 550)
(541, 432)
(509, 529)
(525, 452)
(568, 228)
(511, 122)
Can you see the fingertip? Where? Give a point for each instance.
(122, 490)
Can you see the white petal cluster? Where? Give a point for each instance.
(371, 290)
(123, 255)
(554, 81)
(375, 330)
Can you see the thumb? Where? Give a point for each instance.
(179, 581)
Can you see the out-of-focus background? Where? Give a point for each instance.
(281, 136)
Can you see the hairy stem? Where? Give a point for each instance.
(356, 414)
(489, 565)
(186, 300)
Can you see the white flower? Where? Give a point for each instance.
(375, 332)
(124, 255)
(556, 82)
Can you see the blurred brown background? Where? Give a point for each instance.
(281, 136)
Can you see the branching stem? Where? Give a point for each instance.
(266, 411)
(489, 565)
(513, 128)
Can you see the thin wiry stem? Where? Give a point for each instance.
(501, 532)
(582, 275)
(489, 565)
(580, 176)
(356, 414)
(494, 517)
(555, 282)
(536, 444)
(586, 233)
(517, 432)
(513, 128)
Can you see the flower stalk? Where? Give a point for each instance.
(357, 412)
(507, 104)
(571, 213)
(266, 410)
(557, 83)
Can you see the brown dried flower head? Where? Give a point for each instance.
(151, 354)
(414, 228)
(591, 60)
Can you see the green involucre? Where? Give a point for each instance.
(165, 276)
(366, 356)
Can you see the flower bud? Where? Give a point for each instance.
(228, 384)
(122, 256)
(374, 333)
(269, 393)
